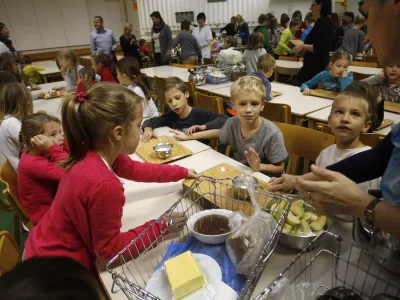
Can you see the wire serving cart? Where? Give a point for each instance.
(132, 267)
(318, 269)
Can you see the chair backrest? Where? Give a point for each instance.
(9, 178)
(192, 92)
(277, 112)
(364, 64)
(371, 58)
(183, 66)
(161, 82)
(289, 58)
(359, 76)
(10, 254)
(304, 142)
(285, 71)
(212, 103)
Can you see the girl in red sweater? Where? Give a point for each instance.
(87, 79)
(84, 221)
(101, 64)
(42, 144)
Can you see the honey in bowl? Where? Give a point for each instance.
(212, 225)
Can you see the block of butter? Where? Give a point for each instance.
(184, 275)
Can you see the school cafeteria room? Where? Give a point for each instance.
(199, 149)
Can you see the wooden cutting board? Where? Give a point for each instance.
(392, 107)
(225, 192)
(385, 123)
(145, 150)
(275, 94)
(324, 94)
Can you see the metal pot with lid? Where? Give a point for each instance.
(198, 76)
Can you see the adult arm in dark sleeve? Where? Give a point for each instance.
(366, 165)
(215, 121)
(125, 45)
(164, 120)
(324, 42)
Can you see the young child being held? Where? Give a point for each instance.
(84, 220)
(352, 114)
(128, 74)
(388, 83)
(87, 79)
(101, 64)
(286, 36)
(143, 46)
(182, 116)
(254, 140)
(15, 104)
(337, 78)
(265, 66)
(253, 51)
(31, 72)
(42, 144)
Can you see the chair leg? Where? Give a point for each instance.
(17, 223)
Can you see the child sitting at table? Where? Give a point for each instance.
(337, 78)
(265, 66)
(182, 116)
(101, 64)
(254, 50)
(254, 141)
(128, 74)
(286, 36)
(15, 104)
(352, 114)
(87, 79)
(42, 144)
(388, 83)
(31, 72)
(84, 221)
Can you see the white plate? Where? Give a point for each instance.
(158, 283)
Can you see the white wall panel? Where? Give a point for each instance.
(50, 23)
(75, 19)
(115, 17)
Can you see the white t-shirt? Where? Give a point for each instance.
(203, 37)
(157, 45)
(149, 108)
(9, 140)
(332, 155)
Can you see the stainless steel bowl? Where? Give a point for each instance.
(299, 242)
(163, 150)
(240, 188)
(198, 76)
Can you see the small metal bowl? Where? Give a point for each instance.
(163, 150)
(240, 188)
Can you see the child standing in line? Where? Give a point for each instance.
(214, 46)
(335, 79)
(128, 74)
(87, 79)
(101, 64)
(191, 52)
(354, 37)
(263, 29)
(254, 140)
(254, 50)
(15, 104)
(265, 69)
(182, 116)
(286, 36)
(31, 71)
(42, 144)
(310, 22)
(352, 114)
(273, 33)
(84, 222)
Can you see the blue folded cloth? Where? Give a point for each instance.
(217, 252)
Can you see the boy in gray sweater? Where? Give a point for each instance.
(354, 37)
(191, 52)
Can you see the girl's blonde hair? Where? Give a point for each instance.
(240, 19)
(87, 121)
(127, 24)
(256, 41)
(15, 100)
(340, 54)
(88, 76)
(248, 85)
(33, 125)
(71, 56)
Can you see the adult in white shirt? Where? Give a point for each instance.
(203, 35)
(6, 45)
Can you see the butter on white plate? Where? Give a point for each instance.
(159, 286)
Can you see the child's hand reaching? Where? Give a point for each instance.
(41, 142)
(307, 92)
(195, 128)
(148, 134)
(253, 159)
(192, 174)
(178, 221)
(179, 135)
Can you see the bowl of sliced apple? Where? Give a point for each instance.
(302, 224)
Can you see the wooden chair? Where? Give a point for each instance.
(289, 58)
(192, 92)
(364, 64)
(184, 66)
(359, 76)
(9, 178)
(160, 82)
(212, 103)
(285, 71)
(10, 253)
(303, 142)
(277, 112)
